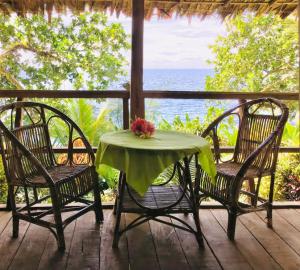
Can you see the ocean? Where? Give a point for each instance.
(175, 80)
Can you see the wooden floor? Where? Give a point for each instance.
(157, 246)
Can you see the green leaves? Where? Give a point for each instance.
(83, 52)
(256, 54)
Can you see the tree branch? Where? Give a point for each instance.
(26, 47)
(11, 79)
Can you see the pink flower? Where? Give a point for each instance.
(142, 128)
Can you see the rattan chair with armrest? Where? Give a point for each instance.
(31, 165)
(238, 180)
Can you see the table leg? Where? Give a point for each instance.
(117, 197)
(194, 204)
(119, 203)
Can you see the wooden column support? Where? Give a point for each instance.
(137, 102)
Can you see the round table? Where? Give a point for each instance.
(144, 159)
(140, 161)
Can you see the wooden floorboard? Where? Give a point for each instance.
(8, 245)
(141, 250)
(291, 216)
(288, 233)
(31, 249)
(197, 258)
(112, 258)
(226, 251)
(52, 258)
(156, 246)
(282, 253)
(253, 251)
(168, 248)
(4, 219)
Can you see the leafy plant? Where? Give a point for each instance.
(82, 113)
(258, 53)
(85, 52)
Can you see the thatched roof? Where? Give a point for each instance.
(162, 8)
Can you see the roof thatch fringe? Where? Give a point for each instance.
(161, 8)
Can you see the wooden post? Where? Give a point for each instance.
(137, 102)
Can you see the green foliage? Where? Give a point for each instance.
(82, 53)
(193, 126)
(288, 171)
(3, 185)
(227, 130)
(82, 113)
(291, 133)
(258, 53)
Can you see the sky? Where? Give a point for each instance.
(177, 43)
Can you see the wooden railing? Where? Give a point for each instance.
(150, 94)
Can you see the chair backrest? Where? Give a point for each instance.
(260, 119)
(32, 132)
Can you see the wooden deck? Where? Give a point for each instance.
(157, 246)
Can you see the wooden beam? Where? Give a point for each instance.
(64, 94)
(137, 102)
(218, 95)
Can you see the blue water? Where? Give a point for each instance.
(174, 80)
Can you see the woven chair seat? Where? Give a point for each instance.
(226, 172)
(71, 181)
(58, 174)
(232, 168)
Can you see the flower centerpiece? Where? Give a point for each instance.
(142, 128)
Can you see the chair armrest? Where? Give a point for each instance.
(211, 131)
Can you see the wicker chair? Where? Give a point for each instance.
(31, 166)
(261, 123)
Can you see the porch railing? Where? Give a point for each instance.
(151, 94)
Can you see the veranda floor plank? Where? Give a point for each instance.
(226, 251)
(85, 247)
(279, 250)
(112, 258)
(285, 231)
(141, 248)
(198, 258)
(4, 220)
(52, 258)
(169, 251)
(35, 248)
(31, 249)
(291, 216)
(252, 250)
(8, 245)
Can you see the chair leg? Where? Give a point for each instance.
(252, 190)
(97, 202)
(199, 235)
(12, 205)
(59, 230)
(58, 223)
(232, 216)
(270, 204)
(15, 226)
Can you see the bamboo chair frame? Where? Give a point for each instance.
(29, 163)
(255, 156)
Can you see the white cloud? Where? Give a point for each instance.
(177, 43)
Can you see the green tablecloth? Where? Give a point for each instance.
(144, 159)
